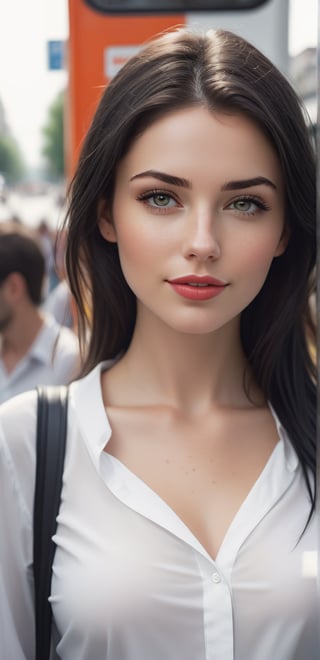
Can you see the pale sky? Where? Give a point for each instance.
(27, 87)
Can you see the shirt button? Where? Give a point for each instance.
(216, 578)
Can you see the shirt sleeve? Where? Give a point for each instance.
(17, 472)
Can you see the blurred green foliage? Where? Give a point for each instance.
(11, 160)
(53, 138)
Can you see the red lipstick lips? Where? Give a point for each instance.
(197, 287)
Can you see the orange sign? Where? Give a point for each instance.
(98, 46)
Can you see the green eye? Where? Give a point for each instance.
(243, 205)
(158, 199)
(161, 200)
(248, 205)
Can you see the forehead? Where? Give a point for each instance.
(196, 138)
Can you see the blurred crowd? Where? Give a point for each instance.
(38, 339)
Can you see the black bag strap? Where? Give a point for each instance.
(50, 447)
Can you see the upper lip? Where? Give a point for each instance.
(197, 279)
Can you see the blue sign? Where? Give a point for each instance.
(56, 51)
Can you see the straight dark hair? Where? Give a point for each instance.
(223, 73)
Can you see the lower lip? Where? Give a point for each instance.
(197, 292)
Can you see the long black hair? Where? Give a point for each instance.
(222, 72)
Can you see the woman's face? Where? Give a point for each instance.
(198, 216)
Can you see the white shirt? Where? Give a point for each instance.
(53, 359)
(130, 580)
(58, 303)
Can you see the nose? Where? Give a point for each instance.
(201, 241)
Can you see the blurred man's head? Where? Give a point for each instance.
(22, 263)
(22, 272)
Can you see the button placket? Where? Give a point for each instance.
(215, 577)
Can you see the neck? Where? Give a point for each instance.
(188, 371)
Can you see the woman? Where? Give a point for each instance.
(187, 525)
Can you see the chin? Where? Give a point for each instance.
(195, 328)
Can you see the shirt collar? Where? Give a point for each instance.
(86, 397)
(291, 457)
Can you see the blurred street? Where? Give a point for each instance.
(32, 205)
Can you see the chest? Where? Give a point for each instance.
(203, 469)
(126, 570)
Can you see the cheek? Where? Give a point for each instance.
(138, 251)
(255, 255)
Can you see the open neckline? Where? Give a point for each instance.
(135, 493)
(275, 477)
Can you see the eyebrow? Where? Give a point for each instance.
(184, 183)
(166, 178)
(248, 183)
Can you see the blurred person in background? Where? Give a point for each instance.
(59, 304)
(34, 348)
(58, 301)
(47, 241)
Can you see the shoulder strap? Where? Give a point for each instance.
(50, 447)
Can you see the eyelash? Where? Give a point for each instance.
(146, 196)
(261, 205)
